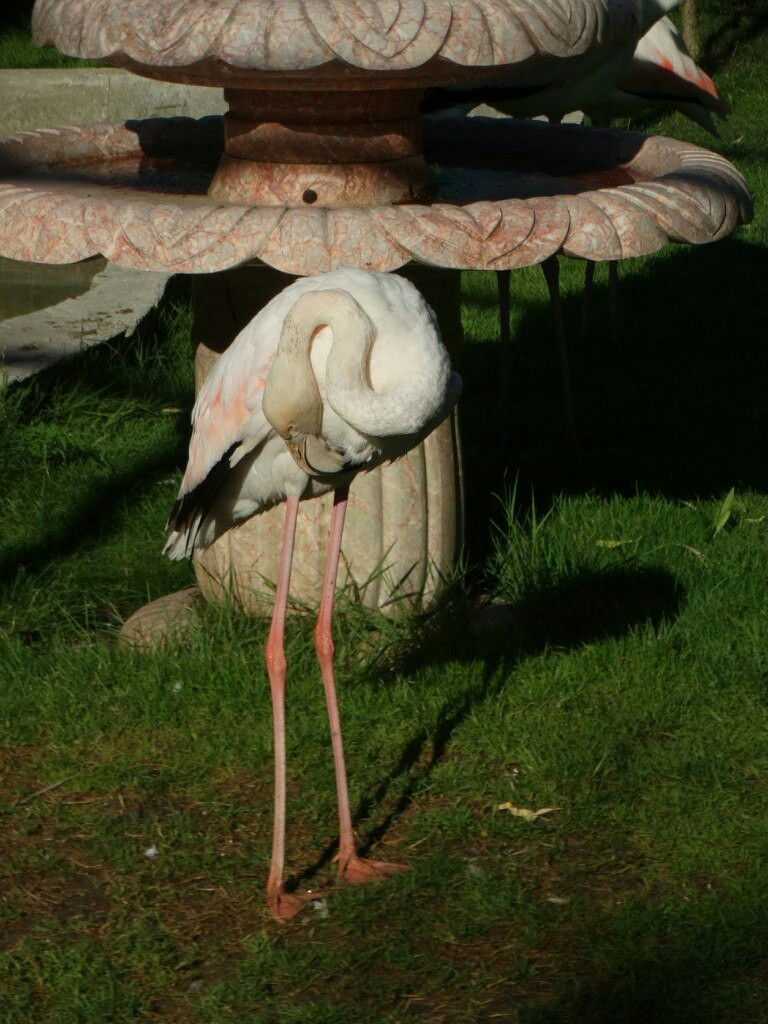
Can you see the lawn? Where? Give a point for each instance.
(17, 51)
(16, 47)
(576, 775)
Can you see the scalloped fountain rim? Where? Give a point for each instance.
(675, 192)
(445, 38)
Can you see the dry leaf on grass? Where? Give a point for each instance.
(523, 812)
(694, 551)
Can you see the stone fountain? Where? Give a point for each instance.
(323, 161)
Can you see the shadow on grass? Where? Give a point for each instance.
(744, 24)
(687, 975)
(686, 417)
(656, 959)
(106, 384)
(91, 518)
(582, 607)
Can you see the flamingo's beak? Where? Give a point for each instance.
(315, 456)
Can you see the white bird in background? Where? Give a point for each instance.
(660, 75)
(557, 87)
(336, 374)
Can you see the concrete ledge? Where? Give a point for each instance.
(117, 301)
(52, 98)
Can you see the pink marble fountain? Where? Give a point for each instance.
(323, 162)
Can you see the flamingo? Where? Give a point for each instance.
(573, 83)
(659, 74)
(643, 65)
(337, 374)
(662, 75)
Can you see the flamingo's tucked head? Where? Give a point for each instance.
(292, 401)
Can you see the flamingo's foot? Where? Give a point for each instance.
(357, 870)
(285, 905)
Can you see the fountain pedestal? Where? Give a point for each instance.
(403, 529)
(339, 148)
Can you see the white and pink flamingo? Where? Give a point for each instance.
(335, 375)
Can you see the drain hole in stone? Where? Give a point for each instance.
(310, 196)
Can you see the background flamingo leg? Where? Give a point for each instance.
(505, 347)
(551, 269)
(613, 297)
(586, 306)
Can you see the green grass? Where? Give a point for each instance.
(619, 678)
(17, 51)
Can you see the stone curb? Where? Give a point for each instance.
(52, 98)
(117, 301)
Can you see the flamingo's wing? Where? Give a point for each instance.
(227, 418)
(227, 423)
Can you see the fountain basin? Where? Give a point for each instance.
(26, 289)
(323, 43)
(506, 194)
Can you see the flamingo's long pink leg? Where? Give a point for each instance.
(351, 867)
(283, 905)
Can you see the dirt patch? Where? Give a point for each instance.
(77, 898)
